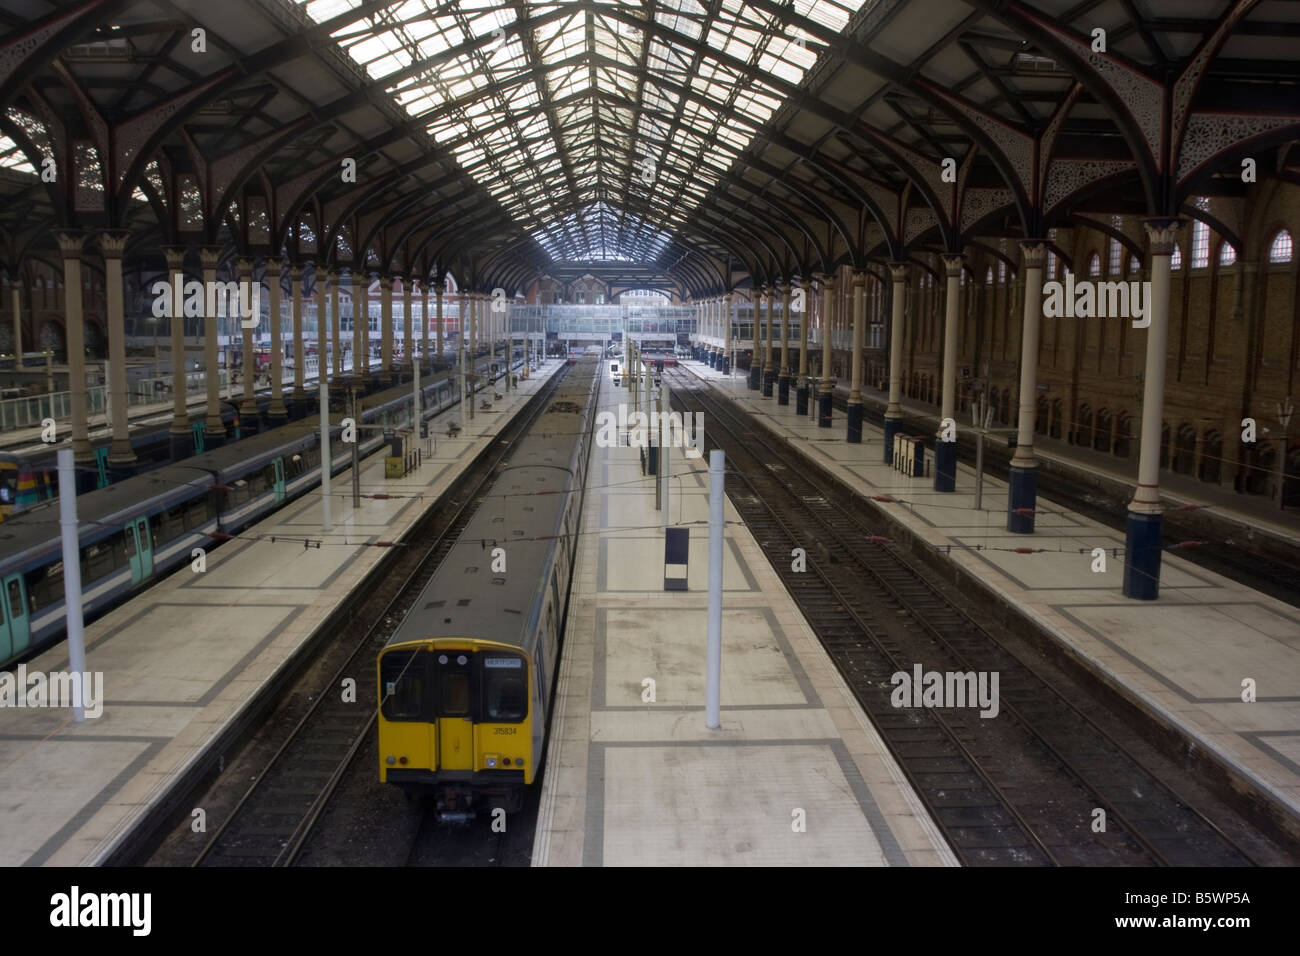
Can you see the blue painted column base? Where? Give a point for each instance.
(213, 441)
(769, 380)
(652, 460)
(824, 408)
(801, 400)
(855, 422)
(945, 465)
(1142, 556)
(783, 390)
(713, 359)
(1023, 493)
(892, 427)
(726, 365)
(754, 372)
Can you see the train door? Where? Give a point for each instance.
(101, 467)
(278, 484)
(455, 714)
(139, 550)
(15, 628)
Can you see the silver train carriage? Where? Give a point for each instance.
(466, 681)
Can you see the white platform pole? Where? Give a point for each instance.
(416, 409)
(665, 440)
(72, 574)
(326, 462)
(460, 360)
(713, 666)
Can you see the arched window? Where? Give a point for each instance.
(1185, 450)
(1280, 249)
(1002, 271)
(1133, 265)
(1051, 265)
(1083, 427)
(1227, 254)
(988, 276)
(1201, 238)
(1212, 458)
(1259, 477)
(1101, 438)
(1176, 260)
(1094, 265)
(1116, 253)
(1123, 436)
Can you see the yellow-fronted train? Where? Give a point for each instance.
(466, 682)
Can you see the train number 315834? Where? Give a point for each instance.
(503, 730)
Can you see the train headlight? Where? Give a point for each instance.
(519, 761)
(491, 761)
(391, 760)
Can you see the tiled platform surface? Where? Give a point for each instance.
(633, 783)
(181, 661)
(1183, 658)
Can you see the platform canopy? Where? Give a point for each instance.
(709, 143)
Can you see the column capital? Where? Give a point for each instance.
(295, 271)
(71, 244)
(274, 266)
(952, 263)
(1162, 233)
(175, 256)
(209, 257)
(860, 280)
(1034, 252)
(898, 271)
(783, 286)
(244, 266)
(438, 286)
(385, 283)
(112, 243)
(332, 275)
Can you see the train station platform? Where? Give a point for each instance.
(27, 440)
(1258, 512)
(1185, 661)
(630, 782)
(182, 661)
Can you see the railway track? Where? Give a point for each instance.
(272, 822)
(1021, 788)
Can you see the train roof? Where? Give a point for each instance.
(523, 515)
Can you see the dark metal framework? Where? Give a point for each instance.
(693, 143)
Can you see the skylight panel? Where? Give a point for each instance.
(834, 16)
(11, 157)
(687, 111)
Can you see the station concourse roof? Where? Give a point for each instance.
(697, 142)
